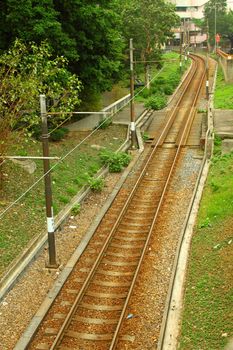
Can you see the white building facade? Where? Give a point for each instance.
(187, 10)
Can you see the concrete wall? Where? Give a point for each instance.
(226, 62)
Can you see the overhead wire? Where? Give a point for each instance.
(72, 150)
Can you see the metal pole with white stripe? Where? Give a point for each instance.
(48, 187)
(132, 111)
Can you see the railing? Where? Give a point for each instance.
(116, 106)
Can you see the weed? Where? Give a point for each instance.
(76, 209)
(215, 187)
(156, 102)
(96, 184)
(205, 223)
(115, 161)
(58, 134)
(145, 137)
(71, 190)
(22, 153)
(63, 199)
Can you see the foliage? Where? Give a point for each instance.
(86, 33)
(76, 209)
(26, 72)
(115, 161)
(219, 18)
(58, 134)
(223, 95)
(96, 184)
(149, 23)
(208, 301)
(145, 137)
(26, 220)
(156, 101)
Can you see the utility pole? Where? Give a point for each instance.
(207, 62)
(132, 110)
(48, 187)
(215, 28)
(181, 43)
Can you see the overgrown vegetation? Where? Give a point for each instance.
(164, 84)
(26, 72)
(115, 161)
(207, 318)
(27, 218)
(223, 95)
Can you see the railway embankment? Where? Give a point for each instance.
(207, 310)
(33, 289)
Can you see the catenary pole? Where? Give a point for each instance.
(132, 109)
(52, 263)
(207, 62)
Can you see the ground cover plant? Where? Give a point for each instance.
(27, 218)
(207, 317)
(164, 84)
(223, 96)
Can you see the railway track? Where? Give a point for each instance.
(91, 308)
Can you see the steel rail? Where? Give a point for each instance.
(184, 136)
(173, 114)
(193, 110)
(75, 306)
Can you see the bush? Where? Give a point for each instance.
(96, 184)
(168, 89)
(58, 134)
(156, 102)
(115, 161)
(76, 209)
(146, 93)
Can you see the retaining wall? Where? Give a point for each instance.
(226, 62)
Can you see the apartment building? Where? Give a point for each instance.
(188, 10)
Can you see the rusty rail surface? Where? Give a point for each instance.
(93, 319)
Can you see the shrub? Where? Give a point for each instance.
(115, 161)
(58, 134)
(146, 93)
(96, 184)
(156, 102)
(168, 89)
(76, 209)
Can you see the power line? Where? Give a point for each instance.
(71, 151)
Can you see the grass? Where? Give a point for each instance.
(223, 96)
(165, 82)
(27, 218)
(207, 317)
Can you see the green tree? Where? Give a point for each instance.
(95, 28)
(215, 9)
(149, 23)
(86, 33)
(35, 21)
(26, 72)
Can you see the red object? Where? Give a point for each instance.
(217, 38)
